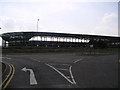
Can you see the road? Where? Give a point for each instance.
(64, 70)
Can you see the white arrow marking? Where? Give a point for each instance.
(32, 76)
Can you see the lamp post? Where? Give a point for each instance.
(37, 24)
(37, 27)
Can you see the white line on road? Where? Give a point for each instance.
(60, 73)
(72, 75)
(77, 60)
(32, 76)
(59, 64)
(35, 59)
(5, 57)
(8, 58)
(65, 64)
(62, 69)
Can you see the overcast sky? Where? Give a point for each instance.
(68, 16)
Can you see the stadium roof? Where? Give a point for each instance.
(11, 36)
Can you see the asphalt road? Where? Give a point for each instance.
(64, 70)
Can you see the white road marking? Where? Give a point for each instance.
(65, 64)
(35, 59)
(72, 75)
(77, 60)
(32, 76)
(66, 77)
(60, 73)
(53, 64)
(5, 57)
(59, 64)
(62, 69)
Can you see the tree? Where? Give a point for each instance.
(99, 43)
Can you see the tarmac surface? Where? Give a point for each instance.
(64, 70)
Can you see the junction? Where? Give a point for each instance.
(74, 65)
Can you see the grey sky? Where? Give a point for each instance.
(71, 16)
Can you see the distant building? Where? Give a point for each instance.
(57, 40)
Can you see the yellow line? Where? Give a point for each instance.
(7, 75)
(10, 77)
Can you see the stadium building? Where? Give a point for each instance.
(57, 40)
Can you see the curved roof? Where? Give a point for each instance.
(14, 36)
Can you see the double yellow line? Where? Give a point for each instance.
(9, 76)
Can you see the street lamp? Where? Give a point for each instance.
(37, 27)
(37, 24)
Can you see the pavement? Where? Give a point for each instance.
(64, 70)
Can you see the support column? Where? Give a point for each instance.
(57, 39)
(51, 38)
(44, 38)
(5, 44)
(69, 39)
(41, 38)
(66, 39)
(72, 39)
(63, 39)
